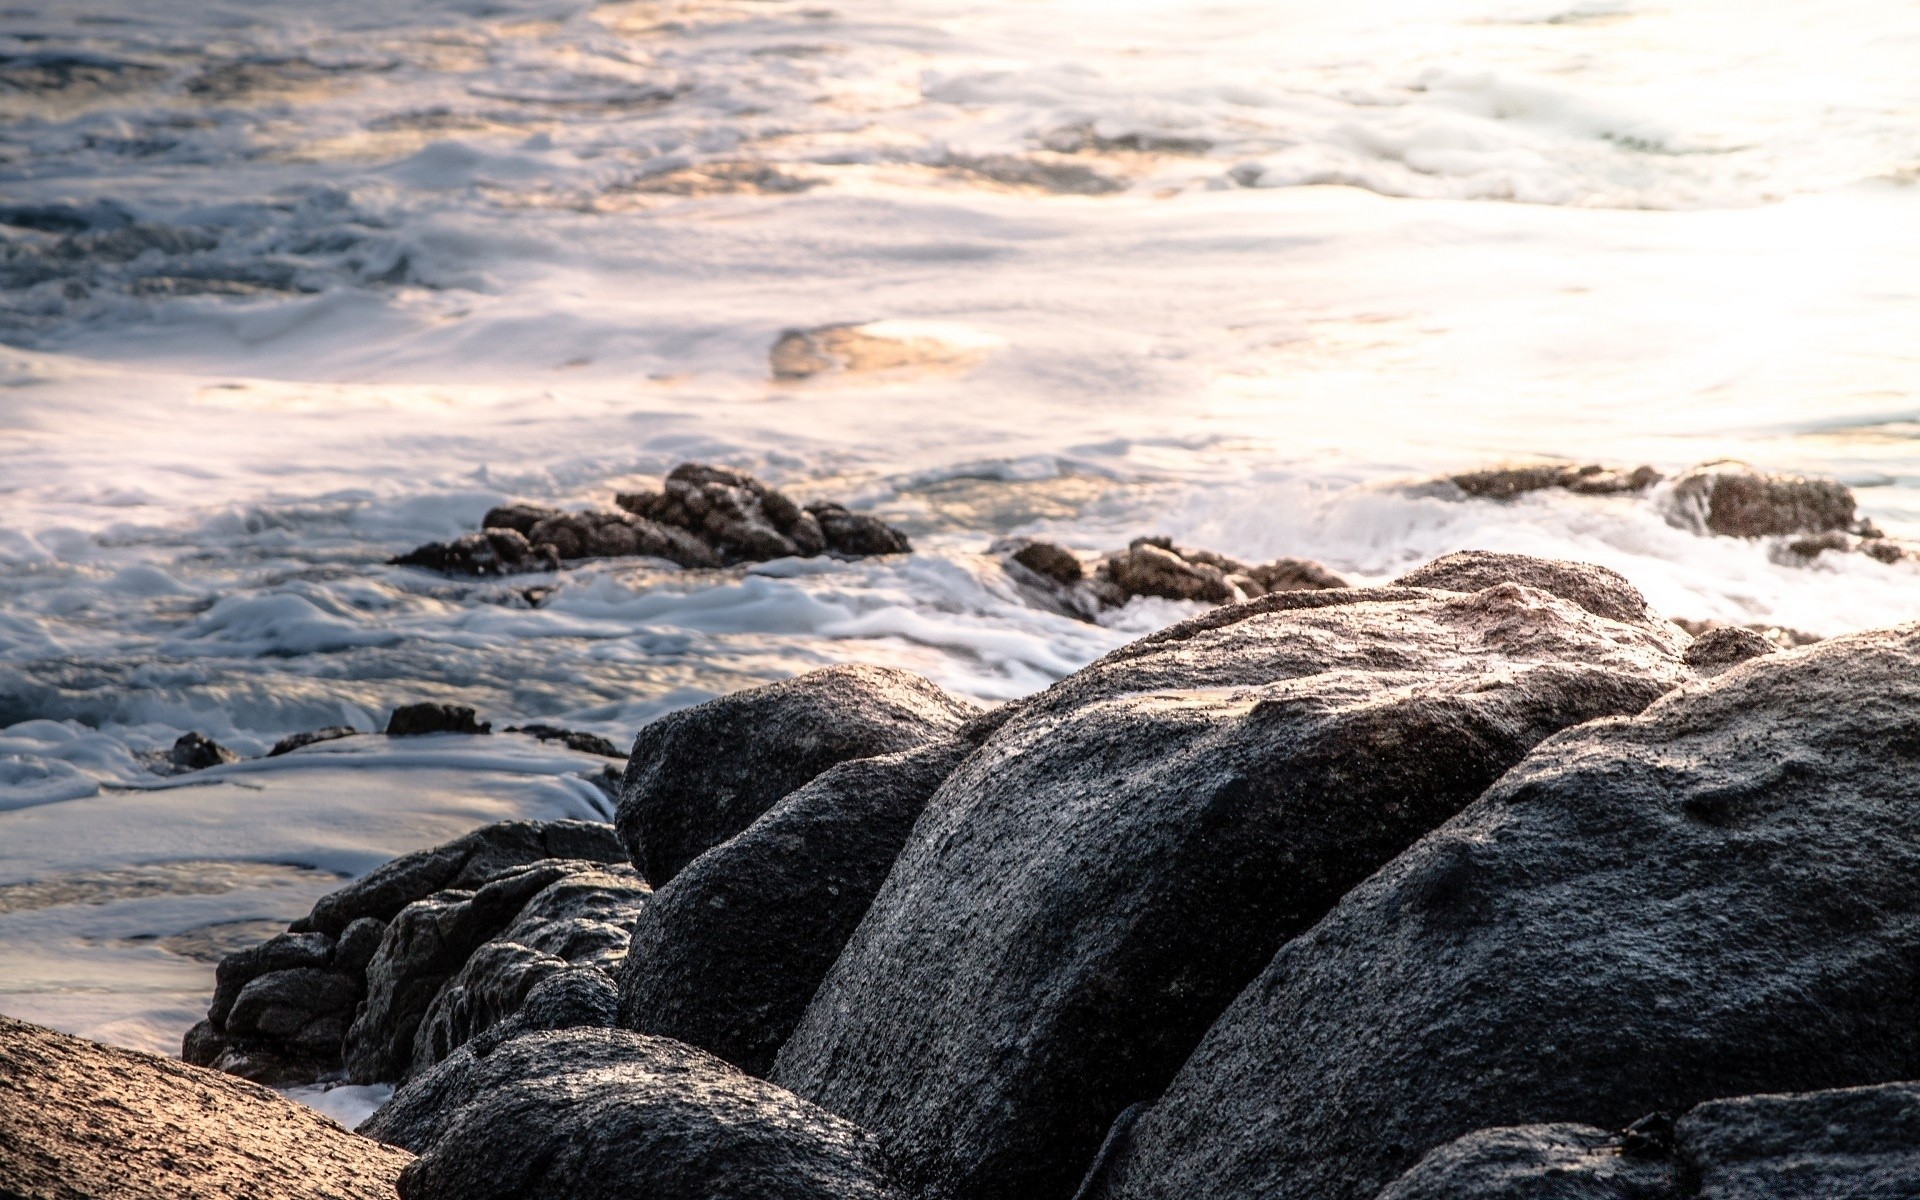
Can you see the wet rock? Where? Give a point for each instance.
(466, 862)
(1292, 575)
(411, 720)
(197, 752)
(857, 534)
(287, 952)
(490, 552)
(1778, 636)
(1590, 479)
(357, 944)
(1854, 1142)
(1720, 896)
(619, 535)
(1535, 1162)
(585, 743)
(1090, 888)
(1600, 591)
(586, 916)
(728, 954)
(424, 945)
(490, 987)
(1716, 650)
(1734, 500)
(295, 741)
(306, 1008)
(1056, 563)
(521, 518)
(698, 776)
(83, 1121)
(605, 1114)
(1150, 567)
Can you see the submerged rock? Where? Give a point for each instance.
(606, 1114)
(296, 741)
(698, 776)
(1535, 1162)
(572, 739)
(728, 954)
(1091, 887)
(83, 1121)
(197, 752)
(1588, 479)
(1717, 897)
(411, 720)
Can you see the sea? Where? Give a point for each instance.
(289, 288)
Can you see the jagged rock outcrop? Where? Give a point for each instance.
(1093, 885)
(1585, 479)
(282, 1011)
(572, 739)
(728, 954)
(1536, 1162)
(491, 552)
(698, 776)
(1719, 896)
(1734, 500)
(606, 1114)
(1149, 566)
(412, 720)
(83, 1121)
(1600, 591)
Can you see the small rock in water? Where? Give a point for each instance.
(295, 741)
(1053, 562)
(573, 739)
(489, 552)
(1590, 479)
(197, 752)
(1734, 500)
(410, 720)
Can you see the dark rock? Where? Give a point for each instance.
(83, 1121)
(1777, 636)
(491, 552)
(357, 944)
(1049, 561)
(1091, 887)
(1600, 591)
(466, 862)
(698, 776)
(1293, 575)
(197, 752)
(411, 720)
(1717, 897)
(619, 535)
(489, 988)
(1535, 1162)
(521, 518)
(585, 743)
(586, 916)
(1734, 500)
(857, 534)
(1717, 649)
(306, 1008)
(1861, 1143)
(605, 1114)
(287, 952)
(1591, 479)
(728, 954)
(424, 945)
(295, 741)
(1149, 568)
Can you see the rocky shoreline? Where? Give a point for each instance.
(1486, 881)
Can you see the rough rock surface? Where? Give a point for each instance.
(1600, 591)
(490, 552)
(1094, 884)
(1149, 566)
(1717, 897)
(197, 752)
(728, 954)
(411, 720)
(296, 741)
(1589, 479)
(1735, 500)
(1717, 649)
(606, 1114)
(1535, 1162)
(572, 739)
(83, 1121)
(698, 776)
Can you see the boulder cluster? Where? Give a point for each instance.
(1150, 566)
(1485, 882)
(703, 516)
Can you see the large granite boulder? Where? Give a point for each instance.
(606, 1114)
(698, 776)
(83, 1121)
(1092, 886)
(1719, 896)
(728, 954)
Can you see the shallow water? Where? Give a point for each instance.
(290, 289)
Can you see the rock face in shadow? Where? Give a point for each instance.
(1091, 887)
(413, 720)
(1735, 500)
(728, 954)
(83, 1121)
(606, 1114)
(1719, 896)
(698, 776)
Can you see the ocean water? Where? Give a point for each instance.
(290, 288)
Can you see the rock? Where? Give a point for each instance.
(619, 535)
(800, 354)
(411, 720)
(605, 1114)
(1717, 649)
(82, 1121)
(1777, 636)
(294, 741)
(424, 946)
(1600, 591)
(1049, 561)
(1535, 1162)
(306, 1008)
(742, 518)
(857, 534)
(1719, 896)
(197, 752)
(1734, 500)
(728, 954)
(1150, 568)
(1591, 479)
(521, 518)
(1093, 885)
(1293, 575)
(585, 743)
(491, 552)
(698, 776)
(466, 862)
(582, 919)
(287, 952)
(357, 945)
